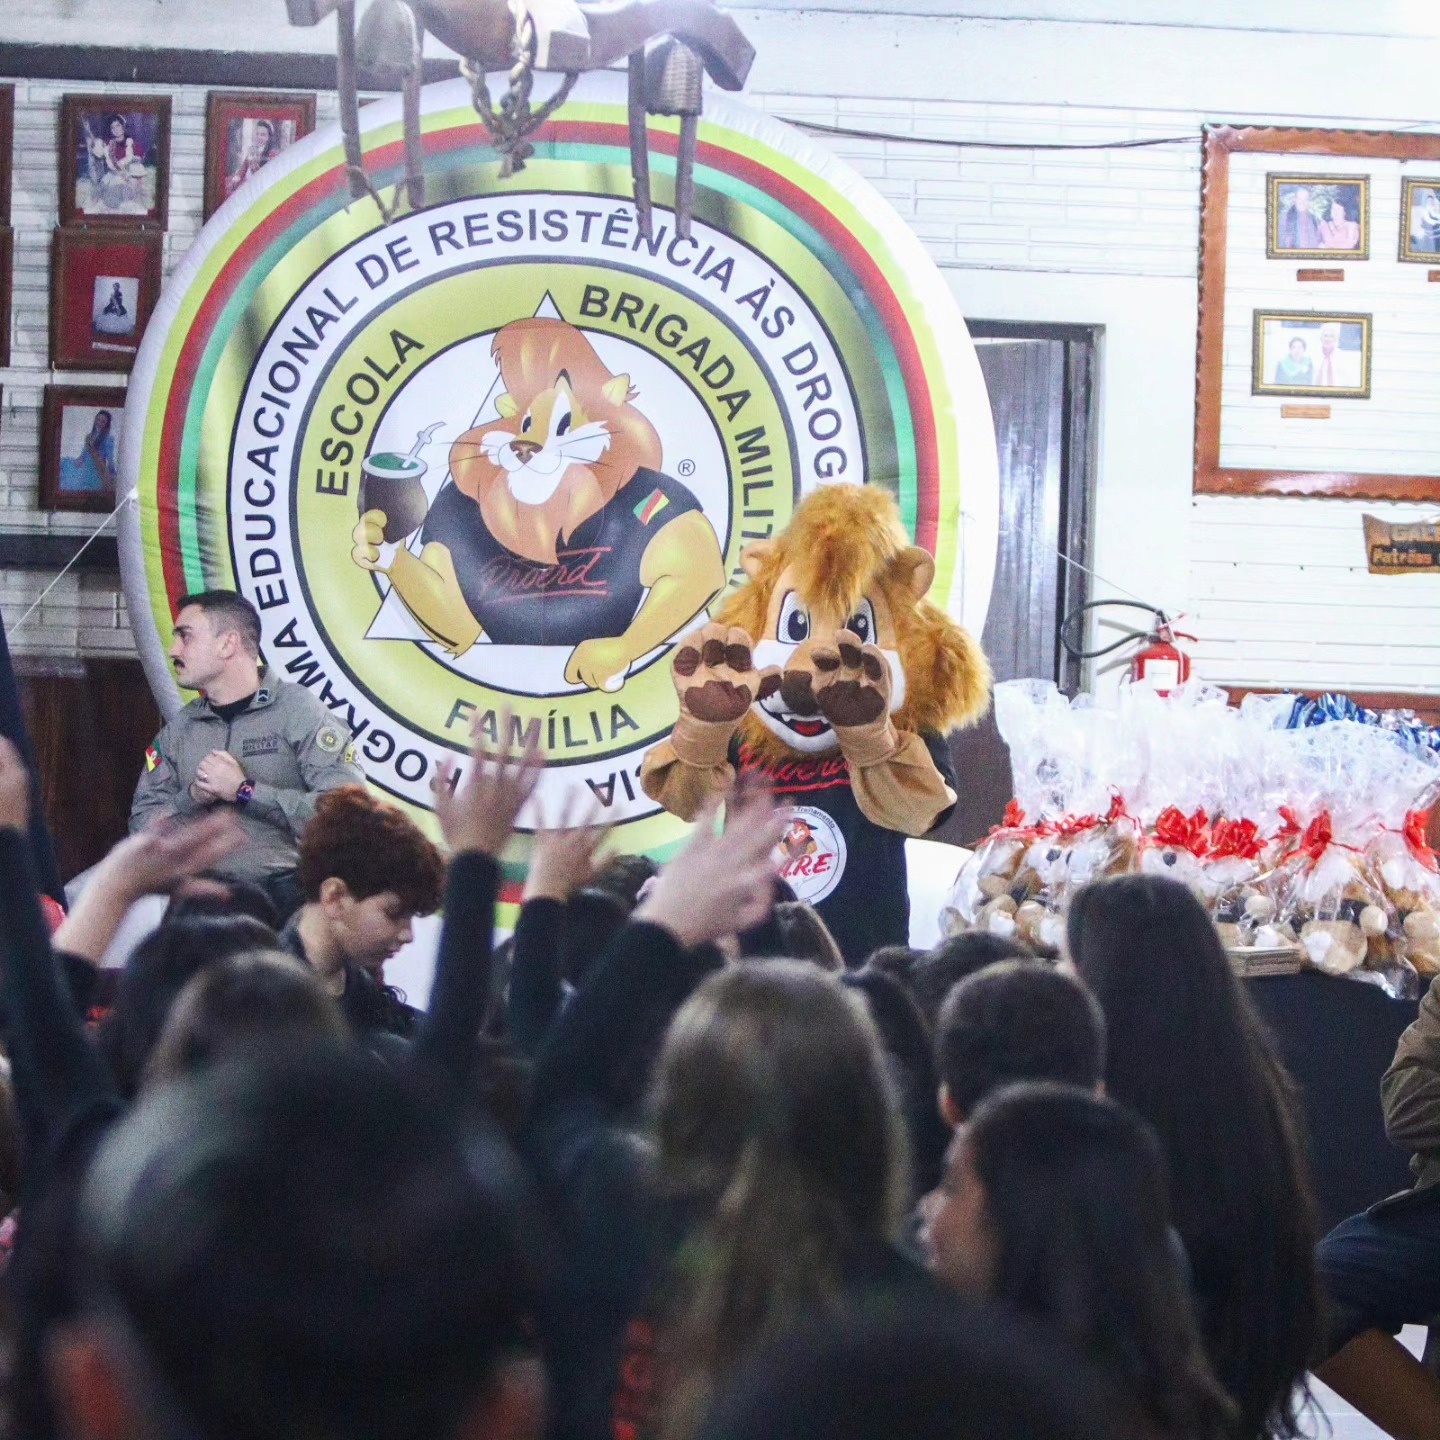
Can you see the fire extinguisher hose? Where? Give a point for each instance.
(1072, 647)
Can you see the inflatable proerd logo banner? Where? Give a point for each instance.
(498, 455)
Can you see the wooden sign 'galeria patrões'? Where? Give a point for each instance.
(1392, 549)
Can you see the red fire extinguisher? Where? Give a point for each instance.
(1159, 662)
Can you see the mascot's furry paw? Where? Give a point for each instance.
(599, 663)
(852, 682)
(715, 675)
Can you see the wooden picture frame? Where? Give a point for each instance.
(79, 452)
(7, 150)
(1420, 220)
(115, 159)
(103, 289)
(1221, 142)
(7, 290)
(233, 121)
(1276, 332)
(1283, 210)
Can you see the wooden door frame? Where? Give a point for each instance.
(1078, 460)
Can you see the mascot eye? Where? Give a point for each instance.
(526, 423)
(794, 625)
(562, 417)
(862, 623)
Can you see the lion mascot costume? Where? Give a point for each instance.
(559, 527)
(831, 677)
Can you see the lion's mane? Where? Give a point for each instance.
(842, 542)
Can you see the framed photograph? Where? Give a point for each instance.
(7, 149)
(244, 132)
(7, 289)
(79, 443)
(1317, 217)
(103, 286)
(1420, 220)
(1301, 353)
(114, 160)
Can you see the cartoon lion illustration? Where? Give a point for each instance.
(557, 526)
(835, 678)
(798, 840)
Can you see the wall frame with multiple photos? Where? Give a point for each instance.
(1318, 370)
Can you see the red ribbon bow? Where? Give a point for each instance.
(1235, 839)
(1183, 832)
(1291, 827)
(1318, 837)
(1414, 833)
(1012, 826)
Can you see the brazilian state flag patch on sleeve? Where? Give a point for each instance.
(152, 757)
(651, 506)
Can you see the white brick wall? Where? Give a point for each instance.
(1276, 588)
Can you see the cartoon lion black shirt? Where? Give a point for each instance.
(593, 589)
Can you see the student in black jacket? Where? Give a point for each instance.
(367, 872)
(770, 1181)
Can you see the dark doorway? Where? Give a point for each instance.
(1041, 380)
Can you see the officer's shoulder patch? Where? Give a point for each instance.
(329, 738)
(152, 757)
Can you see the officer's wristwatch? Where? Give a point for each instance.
(244, 793)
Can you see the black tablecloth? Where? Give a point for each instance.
(1337, 1038)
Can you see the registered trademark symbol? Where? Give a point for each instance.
(686, 468)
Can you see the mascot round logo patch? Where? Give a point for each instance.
(480, 468)
(811, 854)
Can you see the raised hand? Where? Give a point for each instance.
(852, 683)
(719, 884)
(479, 814)
(563, 858)
(715, 675)
(14, 789)
(154, 861)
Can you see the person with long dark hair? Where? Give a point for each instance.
(1189, 1055)
(765, 1184)
(1054, 1203)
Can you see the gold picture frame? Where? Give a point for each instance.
(1329, 210)
(1332, 361)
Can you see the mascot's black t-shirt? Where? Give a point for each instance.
(836, 858)
(594, 588)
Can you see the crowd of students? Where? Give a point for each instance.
(658, 1165)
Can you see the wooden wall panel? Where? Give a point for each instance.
(90, 724)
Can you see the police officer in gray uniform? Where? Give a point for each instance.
(249, 740)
